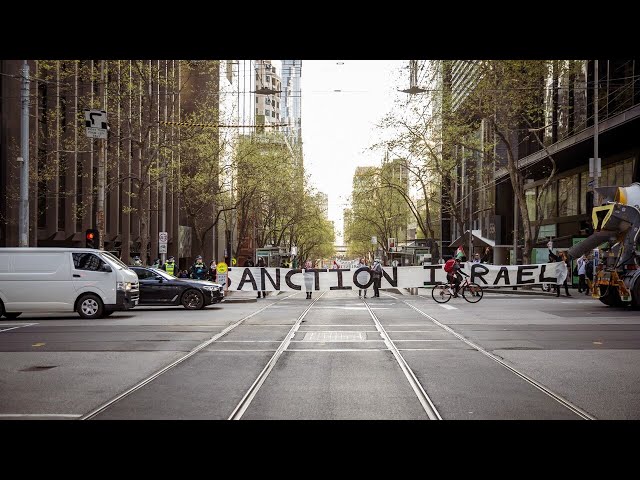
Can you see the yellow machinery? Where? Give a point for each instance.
(616, 280)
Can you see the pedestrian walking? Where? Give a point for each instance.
(376, 272)
(261, 264)
(363, 276)
(308, 277)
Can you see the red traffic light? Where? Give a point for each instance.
(90, 236)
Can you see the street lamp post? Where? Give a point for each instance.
(23, 237)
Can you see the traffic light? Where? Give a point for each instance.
(92, 238)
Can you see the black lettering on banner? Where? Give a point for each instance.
(522, 273)
(543, 279)
(393, 282)
(244, 279)
(475, 274)
(432, 274)
(317, 277)
(355, 278)
(504, 272)
(339, 271)
(264, 274)
(287, 279)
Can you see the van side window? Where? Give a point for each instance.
(87, 261)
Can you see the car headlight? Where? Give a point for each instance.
(123, 286)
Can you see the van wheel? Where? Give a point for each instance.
(192, 300)
(90, 306)
(12, 315)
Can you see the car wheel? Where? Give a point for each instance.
(193, 300)
(12, 315)
(90, 306)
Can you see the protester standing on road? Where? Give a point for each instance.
(308, 277)
(261, 264)
(376, 272)
(562, 271)
(582, 272)
(487, 256)
(476, 258)
(363, 276)
(213, 271)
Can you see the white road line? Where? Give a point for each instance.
(449, 307)
(18, 325)
(61, 415)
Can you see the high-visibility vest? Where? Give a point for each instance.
(170, 267)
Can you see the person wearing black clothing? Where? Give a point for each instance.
(248, 263)
(589, 274)
(261, 264)
(561, 258)
(376, 273)
(452, 276)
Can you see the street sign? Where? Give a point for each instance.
(96, 123)
(163, 237)
(221, 268)
(162, 248)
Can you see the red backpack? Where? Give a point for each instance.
(448, 266)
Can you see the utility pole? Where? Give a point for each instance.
(23, 237)
(515, 231)
(596, 160)
(101, 170)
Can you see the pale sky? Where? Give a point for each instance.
(339, 127)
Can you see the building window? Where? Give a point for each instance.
(267, 79)
(266, 113)
(568, 196)
(273, 113)
(256, 110)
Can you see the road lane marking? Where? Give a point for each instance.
(18, 325)
(449, 307)
(61, 415)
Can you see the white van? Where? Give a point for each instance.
(93, 283)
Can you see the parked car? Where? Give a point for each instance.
(157, 287)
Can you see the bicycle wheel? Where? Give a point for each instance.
(441, 293)
(472, 293)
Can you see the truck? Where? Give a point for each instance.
(616, 224)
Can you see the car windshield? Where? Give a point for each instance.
(162, 273)
(114, 259)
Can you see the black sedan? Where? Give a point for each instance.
(157, 287)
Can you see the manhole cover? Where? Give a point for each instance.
(38, 368)
(335, 337)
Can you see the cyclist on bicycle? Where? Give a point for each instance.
(452, 276)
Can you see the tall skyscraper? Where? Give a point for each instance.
(291, 99)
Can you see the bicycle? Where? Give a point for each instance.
(471, 292)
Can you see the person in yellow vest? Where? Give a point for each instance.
(170, 266)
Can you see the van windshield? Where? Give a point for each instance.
(114, 259)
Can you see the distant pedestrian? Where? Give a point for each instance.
(199, 270)
(582, 273)
(476, 258)
(376, 272)
(261, 264)
(248, 263)
(170, 266)
(487, 256)
(213, 271)
(562, 271)
(460, 253)
(363, 276)
(137, 262)
(308, 277)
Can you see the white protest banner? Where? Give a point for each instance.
(292, 279)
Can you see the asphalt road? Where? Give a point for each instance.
(397, 357)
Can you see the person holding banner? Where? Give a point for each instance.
(261, 264)
(376, 272)
(308, 278)
(562, 271)
(362, 276)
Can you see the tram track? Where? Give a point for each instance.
(177, 362)
(555, 396)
